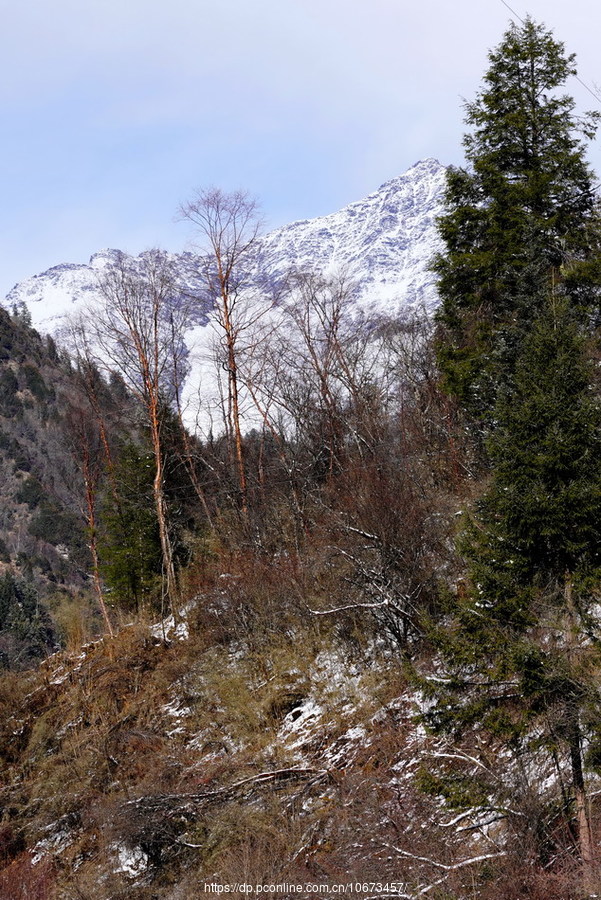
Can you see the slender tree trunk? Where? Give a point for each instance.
(192, 473)
(585, 834)
(230, 225)
(135, 334)
(232, 364)
(298, 510)
(90, 487)
(188, 461)
(98, 585)
(169, 575)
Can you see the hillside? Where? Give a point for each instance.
(143, 769)
(45, 559)
(383, 244)
(350, 626)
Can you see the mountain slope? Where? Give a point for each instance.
(385, 242)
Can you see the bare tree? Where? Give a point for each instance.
(86, 443)
(227, 226)
(188, 455)
(76, 336)
(139, 327)
(313, 372)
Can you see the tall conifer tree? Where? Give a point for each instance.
(522, 657)
(520, 290)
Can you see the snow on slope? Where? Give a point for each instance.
(384, 243)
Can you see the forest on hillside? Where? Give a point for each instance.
(359, 643)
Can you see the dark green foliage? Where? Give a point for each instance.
(6, 335)
(535, 539)
(57, 525)
(25, 630)
(520, 287)
(520, 650)
(35, 383)
(519, 221)
(546, 454)
(51, 349)
(10, 404)
(25, 564)
(5, 441)
(17, 339)
(21, 456)
(4, 552)
(459, 792)
(31, 492)
(21, 312)
(118, 387)
(40, 397)
(130, 547)
(179, 491)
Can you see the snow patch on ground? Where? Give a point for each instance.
(55, 843)
(300, 723)
(132, 863)
(170, 630)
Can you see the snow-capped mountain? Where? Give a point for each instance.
(383, 243)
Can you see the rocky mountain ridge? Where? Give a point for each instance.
(384, 243)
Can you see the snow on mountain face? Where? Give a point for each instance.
(66, 288)
(383, 243)
(59, 291)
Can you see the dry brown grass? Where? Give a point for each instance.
(24, 880)
(135, 744)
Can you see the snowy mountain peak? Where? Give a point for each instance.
(422, 169)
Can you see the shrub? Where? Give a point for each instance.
(10, 404)
(31, 492)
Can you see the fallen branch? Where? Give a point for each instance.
(446, 867)
(279, 778)
(337, 609)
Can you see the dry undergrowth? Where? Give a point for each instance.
(141, 769)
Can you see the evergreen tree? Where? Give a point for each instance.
(522, 656)
(520, 288)
(26, 632)
(130, 546)
(521, 218)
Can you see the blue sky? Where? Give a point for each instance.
(115, 111)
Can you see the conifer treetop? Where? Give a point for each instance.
(518, 216)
